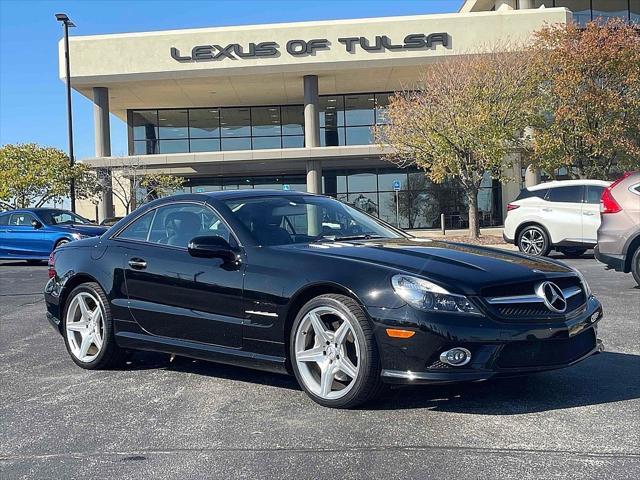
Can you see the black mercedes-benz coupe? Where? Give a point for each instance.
(304, 284)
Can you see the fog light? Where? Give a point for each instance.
(456, 357)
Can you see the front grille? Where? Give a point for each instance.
(546, 353)
(498, 300)
(525, 288)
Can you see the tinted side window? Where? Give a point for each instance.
(593, 194)
(571, 194)
(139, 229)
(4, 219)
(526, 193)
(21, 219)
(177, 224)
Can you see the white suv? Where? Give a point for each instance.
(562, 215)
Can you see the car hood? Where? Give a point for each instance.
(462, 267)
(89, 230)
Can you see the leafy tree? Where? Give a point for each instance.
(31, 175)
(590, 98)
(461, 120)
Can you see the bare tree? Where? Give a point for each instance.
(130, 182)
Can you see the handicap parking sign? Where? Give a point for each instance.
(396, 185)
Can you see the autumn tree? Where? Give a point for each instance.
(590, 98)
(31, 175)
(465, 115)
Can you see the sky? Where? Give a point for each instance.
(32, 97)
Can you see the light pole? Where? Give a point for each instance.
(66, 23)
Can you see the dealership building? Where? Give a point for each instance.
(293, 106)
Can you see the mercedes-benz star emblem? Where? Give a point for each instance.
(552, 296)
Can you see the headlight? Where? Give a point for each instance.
(425, 295)
(77, 236)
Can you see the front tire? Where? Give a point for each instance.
(333, 352)
(635, 266)
(88, 328)
(533, 240)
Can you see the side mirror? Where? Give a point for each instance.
(36, 224)
(212, 246)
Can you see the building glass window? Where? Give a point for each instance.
(293, 141)
(173, 146)
(292, 119)
(581, 9)
(359, 109)
(604, 10)
(204, 123)
(331, 111)
(144, 124)
(173, 124)
(359, 135)
(241, 143)
(634, 13)
(265, 122)
(204, 145)
(344, 120)
(142, 147)
(235, 122)
(262, 143)
(382, 103)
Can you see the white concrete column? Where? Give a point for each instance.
(102, 136)
(312, 132)
(525, 4)
(532, 176)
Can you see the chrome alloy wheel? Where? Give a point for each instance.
(532, 242)
(85, 327)
(327, 352)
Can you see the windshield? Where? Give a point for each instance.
(62, 217)
(303, 219)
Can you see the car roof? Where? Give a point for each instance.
(567, 183)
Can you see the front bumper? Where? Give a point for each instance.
(498, 348)
(613, 261)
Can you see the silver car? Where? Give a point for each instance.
(619, 232)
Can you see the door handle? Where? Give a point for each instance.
(547, 209)
(137, 264)
(589, 214)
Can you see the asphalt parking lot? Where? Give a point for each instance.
(192, 419)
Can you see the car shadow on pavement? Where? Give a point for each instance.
(151, 360)
(604, 378)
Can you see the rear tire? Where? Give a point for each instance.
(635, 266)
(534, 241)
(572, 252)
(325, 329)
(88, 329)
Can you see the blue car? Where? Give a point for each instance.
(32, 234)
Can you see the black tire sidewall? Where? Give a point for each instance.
(547, 244)
(368, 361)
(635, 266)
(104, 357)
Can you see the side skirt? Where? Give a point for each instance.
(130, 335)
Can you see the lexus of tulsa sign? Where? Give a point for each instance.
(299, 48)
